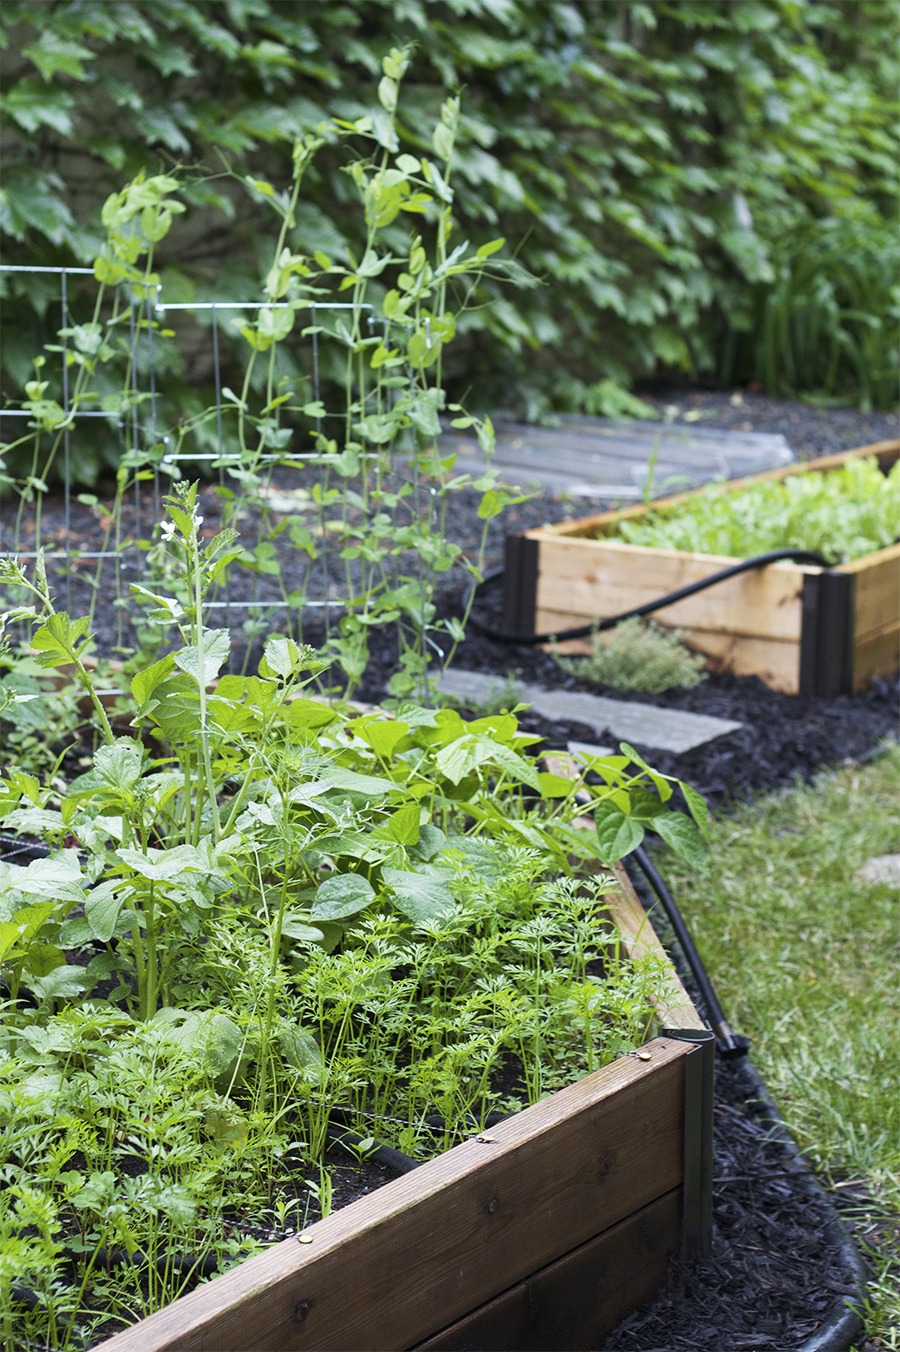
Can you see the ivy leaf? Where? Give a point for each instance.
(32, 105)
(55, 55)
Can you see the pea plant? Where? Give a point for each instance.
(257, 907)
(367, 539)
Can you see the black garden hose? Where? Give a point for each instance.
(669, 599)
(728, 1043)
(843, 1325)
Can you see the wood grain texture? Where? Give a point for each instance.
(751, 624)
(390, 1269)
(876, 655)
(877, 591)
(572, 1304)
(591, 579)
(674, 1006)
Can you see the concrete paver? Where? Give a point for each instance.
(599, 457)
(646, 725)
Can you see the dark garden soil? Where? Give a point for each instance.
(776, 1272)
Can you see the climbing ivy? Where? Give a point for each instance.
(643, 160)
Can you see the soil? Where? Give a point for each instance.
(775, 1273)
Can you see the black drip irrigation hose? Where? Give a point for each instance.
(728, 1043)
(648, 607)
(843, 1325)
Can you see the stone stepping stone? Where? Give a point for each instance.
(599, 457)
(883, 868)
(626, 720)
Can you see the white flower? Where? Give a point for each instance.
(167, 530)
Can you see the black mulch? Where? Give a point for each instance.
(775, 1273)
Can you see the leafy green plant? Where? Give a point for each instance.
(636, 655)
(643, 159)
(844, 514)
(287, 905)
(828, 326)
(375, 539)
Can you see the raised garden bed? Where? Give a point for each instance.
(803, 629)
(542, 1232)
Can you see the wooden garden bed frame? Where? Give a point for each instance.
(541, 1233)
(803, 630)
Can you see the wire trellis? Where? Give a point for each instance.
(290, 495)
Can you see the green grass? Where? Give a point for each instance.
(804, 955)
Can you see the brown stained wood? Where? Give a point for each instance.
(592, 579)
(388, 1270)
(673, 1006)
(572, 1304)
(885, 452)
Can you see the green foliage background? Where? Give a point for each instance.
(654, 165)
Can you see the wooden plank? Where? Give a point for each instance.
(877, 594)
(673, 1006)
(885, 452)
(426, 1249)
(876, 655)
(573, 1304)
(777, 663)
(592, 579)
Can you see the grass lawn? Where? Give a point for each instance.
(805, 956)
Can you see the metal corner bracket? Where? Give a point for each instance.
(699, 1087)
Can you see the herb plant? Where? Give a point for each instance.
(844, 514)
(637, 655)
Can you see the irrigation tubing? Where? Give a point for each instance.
(728, 1043)
(843, 1325)
(647, 608)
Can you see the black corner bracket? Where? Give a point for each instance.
(699, 1089)
(520, 581)
(826, 634)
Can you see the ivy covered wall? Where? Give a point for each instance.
(658, 166)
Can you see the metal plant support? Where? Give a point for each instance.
(140, 341)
